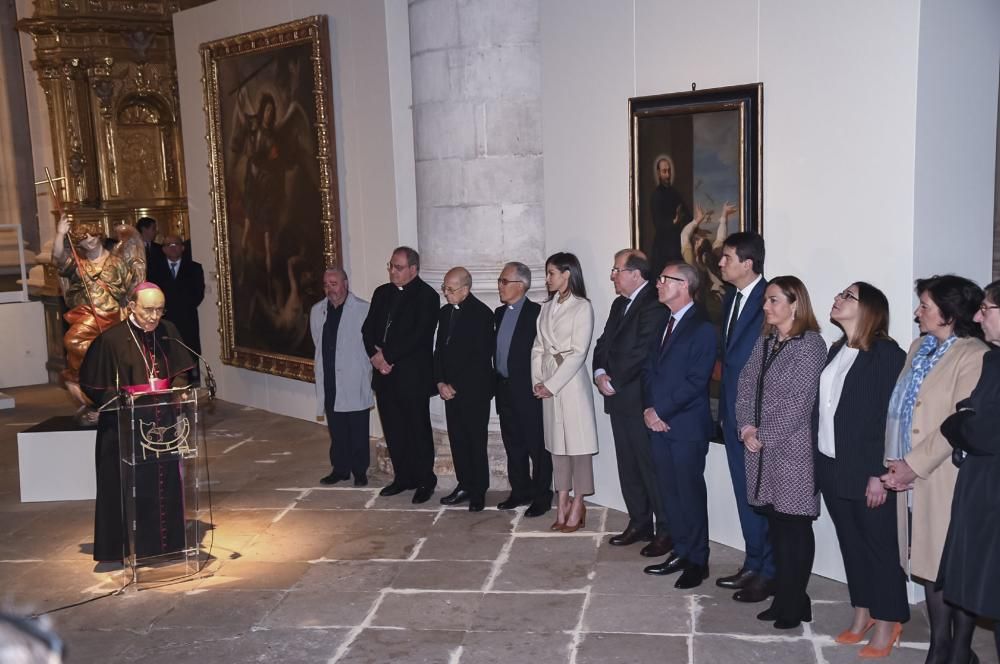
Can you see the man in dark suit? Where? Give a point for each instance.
(677, 412)
(182, 281)
(529, 464)
(619, 357)
(463, 369)
(154, 250)
(742, 266)
(399, 339)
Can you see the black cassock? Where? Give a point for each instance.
(120, 358)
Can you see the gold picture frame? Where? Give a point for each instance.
(274, 190)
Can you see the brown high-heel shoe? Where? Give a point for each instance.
(582, 523)
(868, 652)
(849, 638)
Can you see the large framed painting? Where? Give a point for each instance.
(273, 166)
(696, 177)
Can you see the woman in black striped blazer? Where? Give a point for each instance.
(849, 433)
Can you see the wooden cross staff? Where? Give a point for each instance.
(57, 201)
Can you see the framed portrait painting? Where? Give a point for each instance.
(696, 160)
(273, 166)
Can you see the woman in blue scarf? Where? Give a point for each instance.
(941, 369)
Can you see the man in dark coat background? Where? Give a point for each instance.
(529, 464)
(463, 370)
(399, 339)
(182, 281)
(619, 356)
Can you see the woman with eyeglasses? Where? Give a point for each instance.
(774, 404)
(849, 434)
(941, 369)
(561, 379)
(970, 565)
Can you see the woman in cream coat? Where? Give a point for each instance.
(941, 369)
(560, 376)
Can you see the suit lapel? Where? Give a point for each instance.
(754, 302)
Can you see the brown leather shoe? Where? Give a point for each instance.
(756, 591)
(660, 546)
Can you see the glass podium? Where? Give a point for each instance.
(158, 441)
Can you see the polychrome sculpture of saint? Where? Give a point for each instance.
(95, 284)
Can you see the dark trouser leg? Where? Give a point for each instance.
(670, 500)
(794, 549)
(468, 429)
(391, 415)
(358, 434)
(457, 442)
(639, 485)
(515, 443)
(109, 522)
(340, 440)
(689, 461)
(420, 439)
(847, 533)
(759, 556)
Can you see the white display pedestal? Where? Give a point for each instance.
(6, 401)
(55, 461)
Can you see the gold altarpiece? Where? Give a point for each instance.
(108, 73)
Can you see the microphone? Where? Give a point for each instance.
(209, 378)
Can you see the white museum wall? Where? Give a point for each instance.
(840, 141)
(369, 46)
(24, 344)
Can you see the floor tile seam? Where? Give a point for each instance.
(816, 643)
(479, 591)
(694, 609)
(576, 635)
(352, 635)
(455, 656)
(503, 556)
(288, 509)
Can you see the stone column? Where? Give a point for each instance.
(476, 71)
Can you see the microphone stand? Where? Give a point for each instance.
(209, 378)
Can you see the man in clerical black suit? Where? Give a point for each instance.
(154, 250)
(137, 355)
(182, 281)
(529, 464)
(399, 339)
(619, 356)
(678, 415)
(463, 369)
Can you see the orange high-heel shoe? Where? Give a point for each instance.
(849, 638)
(582, 524)
(868, 652)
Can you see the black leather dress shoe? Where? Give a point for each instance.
(738, 580)
(477, 503)
(537, 509)
(513, 502)
(668, 566)
(334, 477)
(456, 497)
(392, 489)
(361, 481)
(631, 536)
(660, 546)
(769, 614)
(692, 576)
(756, 591)
(422, 494)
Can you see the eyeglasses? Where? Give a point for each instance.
(983, 308)
(616, 270)
(847, 295)
(174, 244)
(149, 311)
(505, 282)
(396, 268)
(451, 291)
(664, 277)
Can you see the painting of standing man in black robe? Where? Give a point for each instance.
(696, 163)
(273, 161)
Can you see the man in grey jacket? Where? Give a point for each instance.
(343, 377)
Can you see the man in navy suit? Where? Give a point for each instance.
(677, 412)
(742, 266)
(529, 464)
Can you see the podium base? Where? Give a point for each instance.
(55, 461)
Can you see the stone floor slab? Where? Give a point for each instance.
(509, 647)
(642, 613)
(528, 612)
(442, 575)
(599, 648)
(449, 546)
(378, 646)
(229, 609)
(427, 611)
(334, 577)
(710, 649)
(362, 546)
(722, 615)
(320, 608)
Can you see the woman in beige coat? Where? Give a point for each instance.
(560, 376)
(941, 369)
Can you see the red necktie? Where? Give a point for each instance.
(666, 335)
